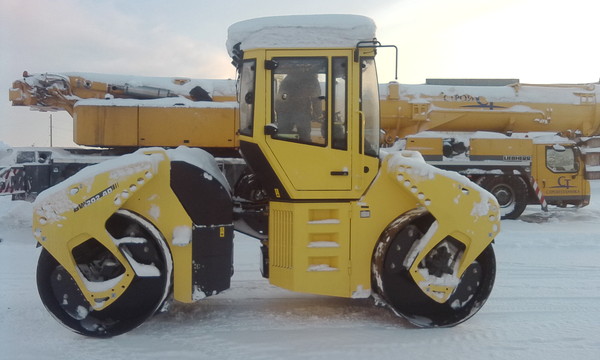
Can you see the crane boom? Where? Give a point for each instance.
(119, 111)
(438, 105)
(510, 108)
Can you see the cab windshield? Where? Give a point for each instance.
(369, 106)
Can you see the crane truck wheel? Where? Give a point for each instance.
(510, 191)
(398, 289)
(142, 245)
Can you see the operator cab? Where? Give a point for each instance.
(309, 111)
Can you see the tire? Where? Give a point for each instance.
(510, 191)
(393, 282)
(145, 295)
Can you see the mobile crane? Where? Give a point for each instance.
(500, 133)
(345, 218)
(527, 144)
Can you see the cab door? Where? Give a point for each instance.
(308, 125)
(559, 173)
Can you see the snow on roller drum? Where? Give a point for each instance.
(124, 239)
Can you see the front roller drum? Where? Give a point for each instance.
(394, 284)
(148, 253)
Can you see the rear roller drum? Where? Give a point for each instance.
(142, 244)
(395, 285)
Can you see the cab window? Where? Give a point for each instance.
(246, 97)
(299, 91)
(25, 157)
(369, 106)
(339, 129)
(560, 159)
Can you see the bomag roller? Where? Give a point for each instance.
(335, 214)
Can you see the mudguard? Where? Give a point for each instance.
(180, 192)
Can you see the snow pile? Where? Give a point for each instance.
(182, 235)
(5, 152)
(15, 214)
(4, 147)
(550, 138)
(301, 31)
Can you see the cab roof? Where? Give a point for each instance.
(300, 31)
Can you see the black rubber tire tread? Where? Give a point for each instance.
(515, 184)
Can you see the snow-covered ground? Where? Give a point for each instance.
(545, 305)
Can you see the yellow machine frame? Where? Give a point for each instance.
(323, 242)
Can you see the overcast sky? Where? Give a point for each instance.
(536, 41)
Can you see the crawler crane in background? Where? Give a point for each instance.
(336, 215)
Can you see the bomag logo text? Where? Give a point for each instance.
(96, 197)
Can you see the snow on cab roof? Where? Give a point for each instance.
(301, 31)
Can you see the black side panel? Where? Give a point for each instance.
(209, 205)
(61, 172)
(38, 177)
(203, 197)
(212, 258)
(263, 170)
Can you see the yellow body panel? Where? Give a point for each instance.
(224, 98)
(209, 127)
(202, 127)
(105, 126)
(309, 246)
(320, 177)
(344, 235)
(507, 149)
(427, 146)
